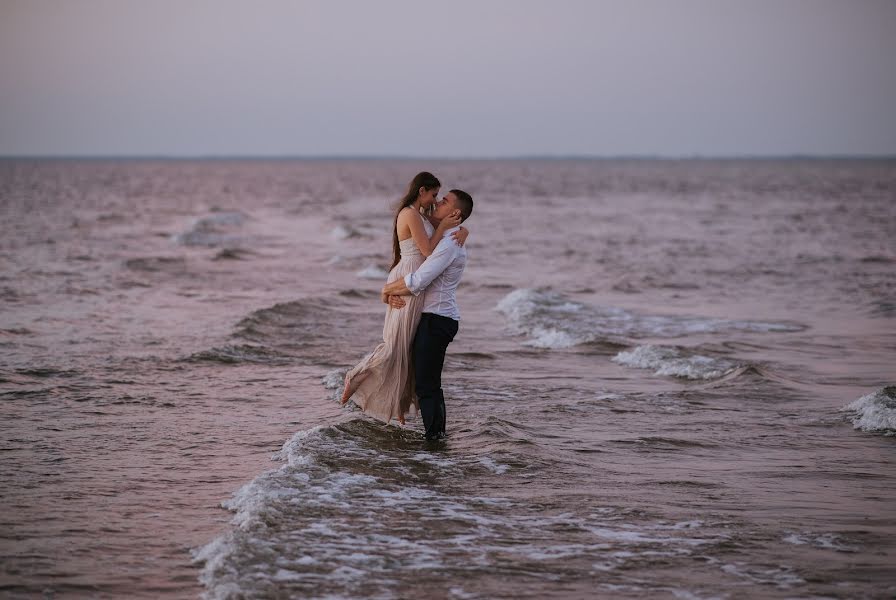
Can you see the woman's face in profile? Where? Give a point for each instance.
(429, 197)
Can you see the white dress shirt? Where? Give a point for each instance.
(439, 276)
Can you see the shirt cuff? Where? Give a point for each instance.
(409, 281)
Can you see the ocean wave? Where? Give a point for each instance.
(875, 412)
(341, 514)
(306, 331)
(671, 361)
(216, 229)
(358, 510)
(239, 353)
(551, 320)
(310, 329)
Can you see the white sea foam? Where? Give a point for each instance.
(334, 379)
(782, 576)
(827, 541)
(344, 510)
(551, 320)
(548, 337)
(492, 466)
(344, 232)
(875, 412)
(670, 361)
(372, 272)
(643, 536)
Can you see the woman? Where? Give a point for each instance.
(382, 384)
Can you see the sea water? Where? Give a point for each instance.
(670, 381)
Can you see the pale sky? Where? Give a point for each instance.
(457, 78)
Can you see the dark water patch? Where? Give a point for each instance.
(239, 354)
(156, 264)
(111, 218)
(81, 392)
(626, 286)
(128, 284)
(359, 294)
(604, 347)
(497, 286)
(81, 291)
(473, 355)
(44, 372)
(129, 400)
(665, 443)
(687, 483)
(8, 294)
(27, 393)
(884, 308)
(233, 254)
(879, 259)
(16, 331)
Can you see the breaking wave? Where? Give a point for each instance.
(551, 320)
(875, 412)
(674, 362)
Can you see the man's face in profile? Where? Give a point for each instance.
(445, 206)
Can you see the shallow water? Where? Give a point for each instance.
(668, 382)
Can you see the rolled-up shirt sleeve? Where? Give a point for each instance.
(433, 266)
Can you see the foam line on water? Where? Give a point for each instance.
(671, 361)
(551, 320)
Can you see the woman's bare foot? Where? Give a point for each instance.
(401, 421)
(346, 392)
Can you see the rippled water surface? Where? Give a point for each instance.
(670, 381)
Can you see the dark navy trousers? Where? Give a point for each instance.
(434, 333)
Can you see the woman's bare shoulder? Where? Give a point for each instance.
(406, 213)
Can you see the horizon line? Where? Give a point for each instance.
(508, 157)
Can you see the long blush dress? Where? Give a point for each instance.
(382, 384)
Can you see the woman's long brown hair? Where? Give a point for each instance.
(425, 180)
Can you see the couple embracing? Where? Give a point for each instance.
(403, 374)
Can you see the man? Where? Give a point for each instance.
(439, 276)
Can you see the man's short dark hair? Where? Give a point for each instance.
(464, 203)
